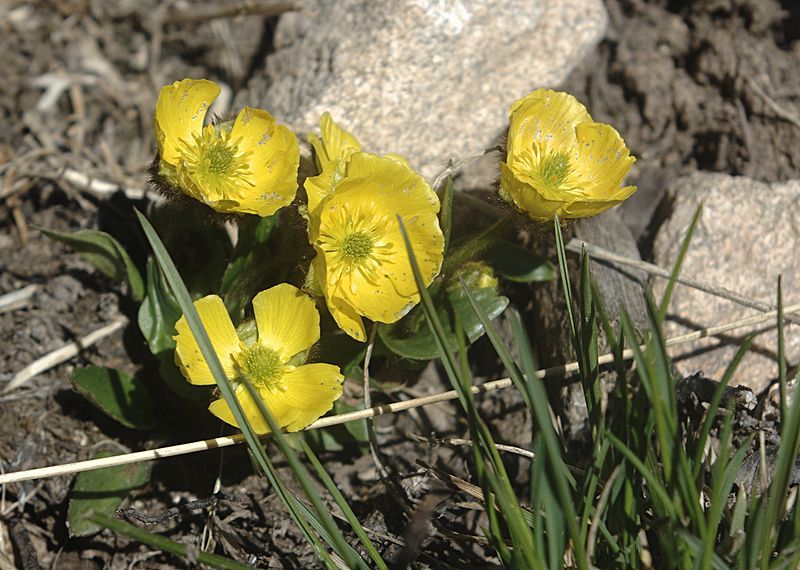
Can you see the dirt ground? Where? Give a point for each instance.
(711, 85)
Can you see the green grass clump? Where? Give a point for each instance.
(648, 496)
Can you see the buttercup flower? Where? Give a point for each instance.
(248, 166)
(560, 161)
(362, 266)
(269, 353)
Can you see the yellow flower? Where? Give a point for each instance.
(560, 161)
(248, 166)
(267, 353)
(362, 266)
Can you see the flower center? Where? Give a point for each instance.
(260, 365)
(554, 169)
(213, 165)
(354, 241)
(356, 246)
(220, 157)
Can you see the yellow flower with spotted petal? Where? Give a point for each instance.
(362, 266)
(561, 162)
(266, 353)
(248, 166)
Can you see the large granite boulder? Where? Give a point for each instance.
(428, 79)
(748, 235)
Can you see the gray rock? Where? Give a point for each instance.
(749, 234)
(427, 79)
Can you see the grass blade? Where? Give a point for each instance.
(676, 268)
(322, 514)
(348, 512)
(164, 544)
(184, 300)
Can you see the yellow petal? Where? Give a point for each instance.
(526, 197)
(343, 313)
(602, 161)
(545, 118)
(318, 188)
(311, 390)
(347, 318)
(336, 142)
(272, 157)
(223, 338)
(287, 320)
(180, 111)
(332, 152)
(390, 184)
(282, 412)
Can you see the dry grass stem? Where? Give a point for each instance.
(783, 113)
(62, 354)
(562, 371)
(599, 253)
(207, 11)
(101, 187)
(17, 299)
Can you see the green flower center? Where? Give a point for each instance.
(260, 365)
(356, 246)
(217, 169)
(554, 169)
(220, 157)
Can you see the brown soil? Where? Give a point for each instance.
(698, 85)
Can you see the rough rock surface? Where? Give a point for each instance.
(748, 235)
(428, 79)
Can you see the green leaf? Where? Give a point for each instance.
(412, 338)
(200, 248)
(158, 313)
(446, 195)
(251, 252)
(335, 438)
(192, 557)
(105, 253)
(102, 491)
(117, 395)
(519, 264)
(157, 316)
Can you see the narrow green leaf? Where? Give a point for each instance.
(166, 545)
(784, 464)
(197, 246)
(157, 316)
(494, 481)
(782, 353)
(676, 268)
(446, 213)
(105, 253)
(519, 264)
(345, 507)
(714, 403)
(587, 337)
(207, 350)
(116, 394)
(563, 269)
(322, 514)
(513, 516)
(101, 492)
